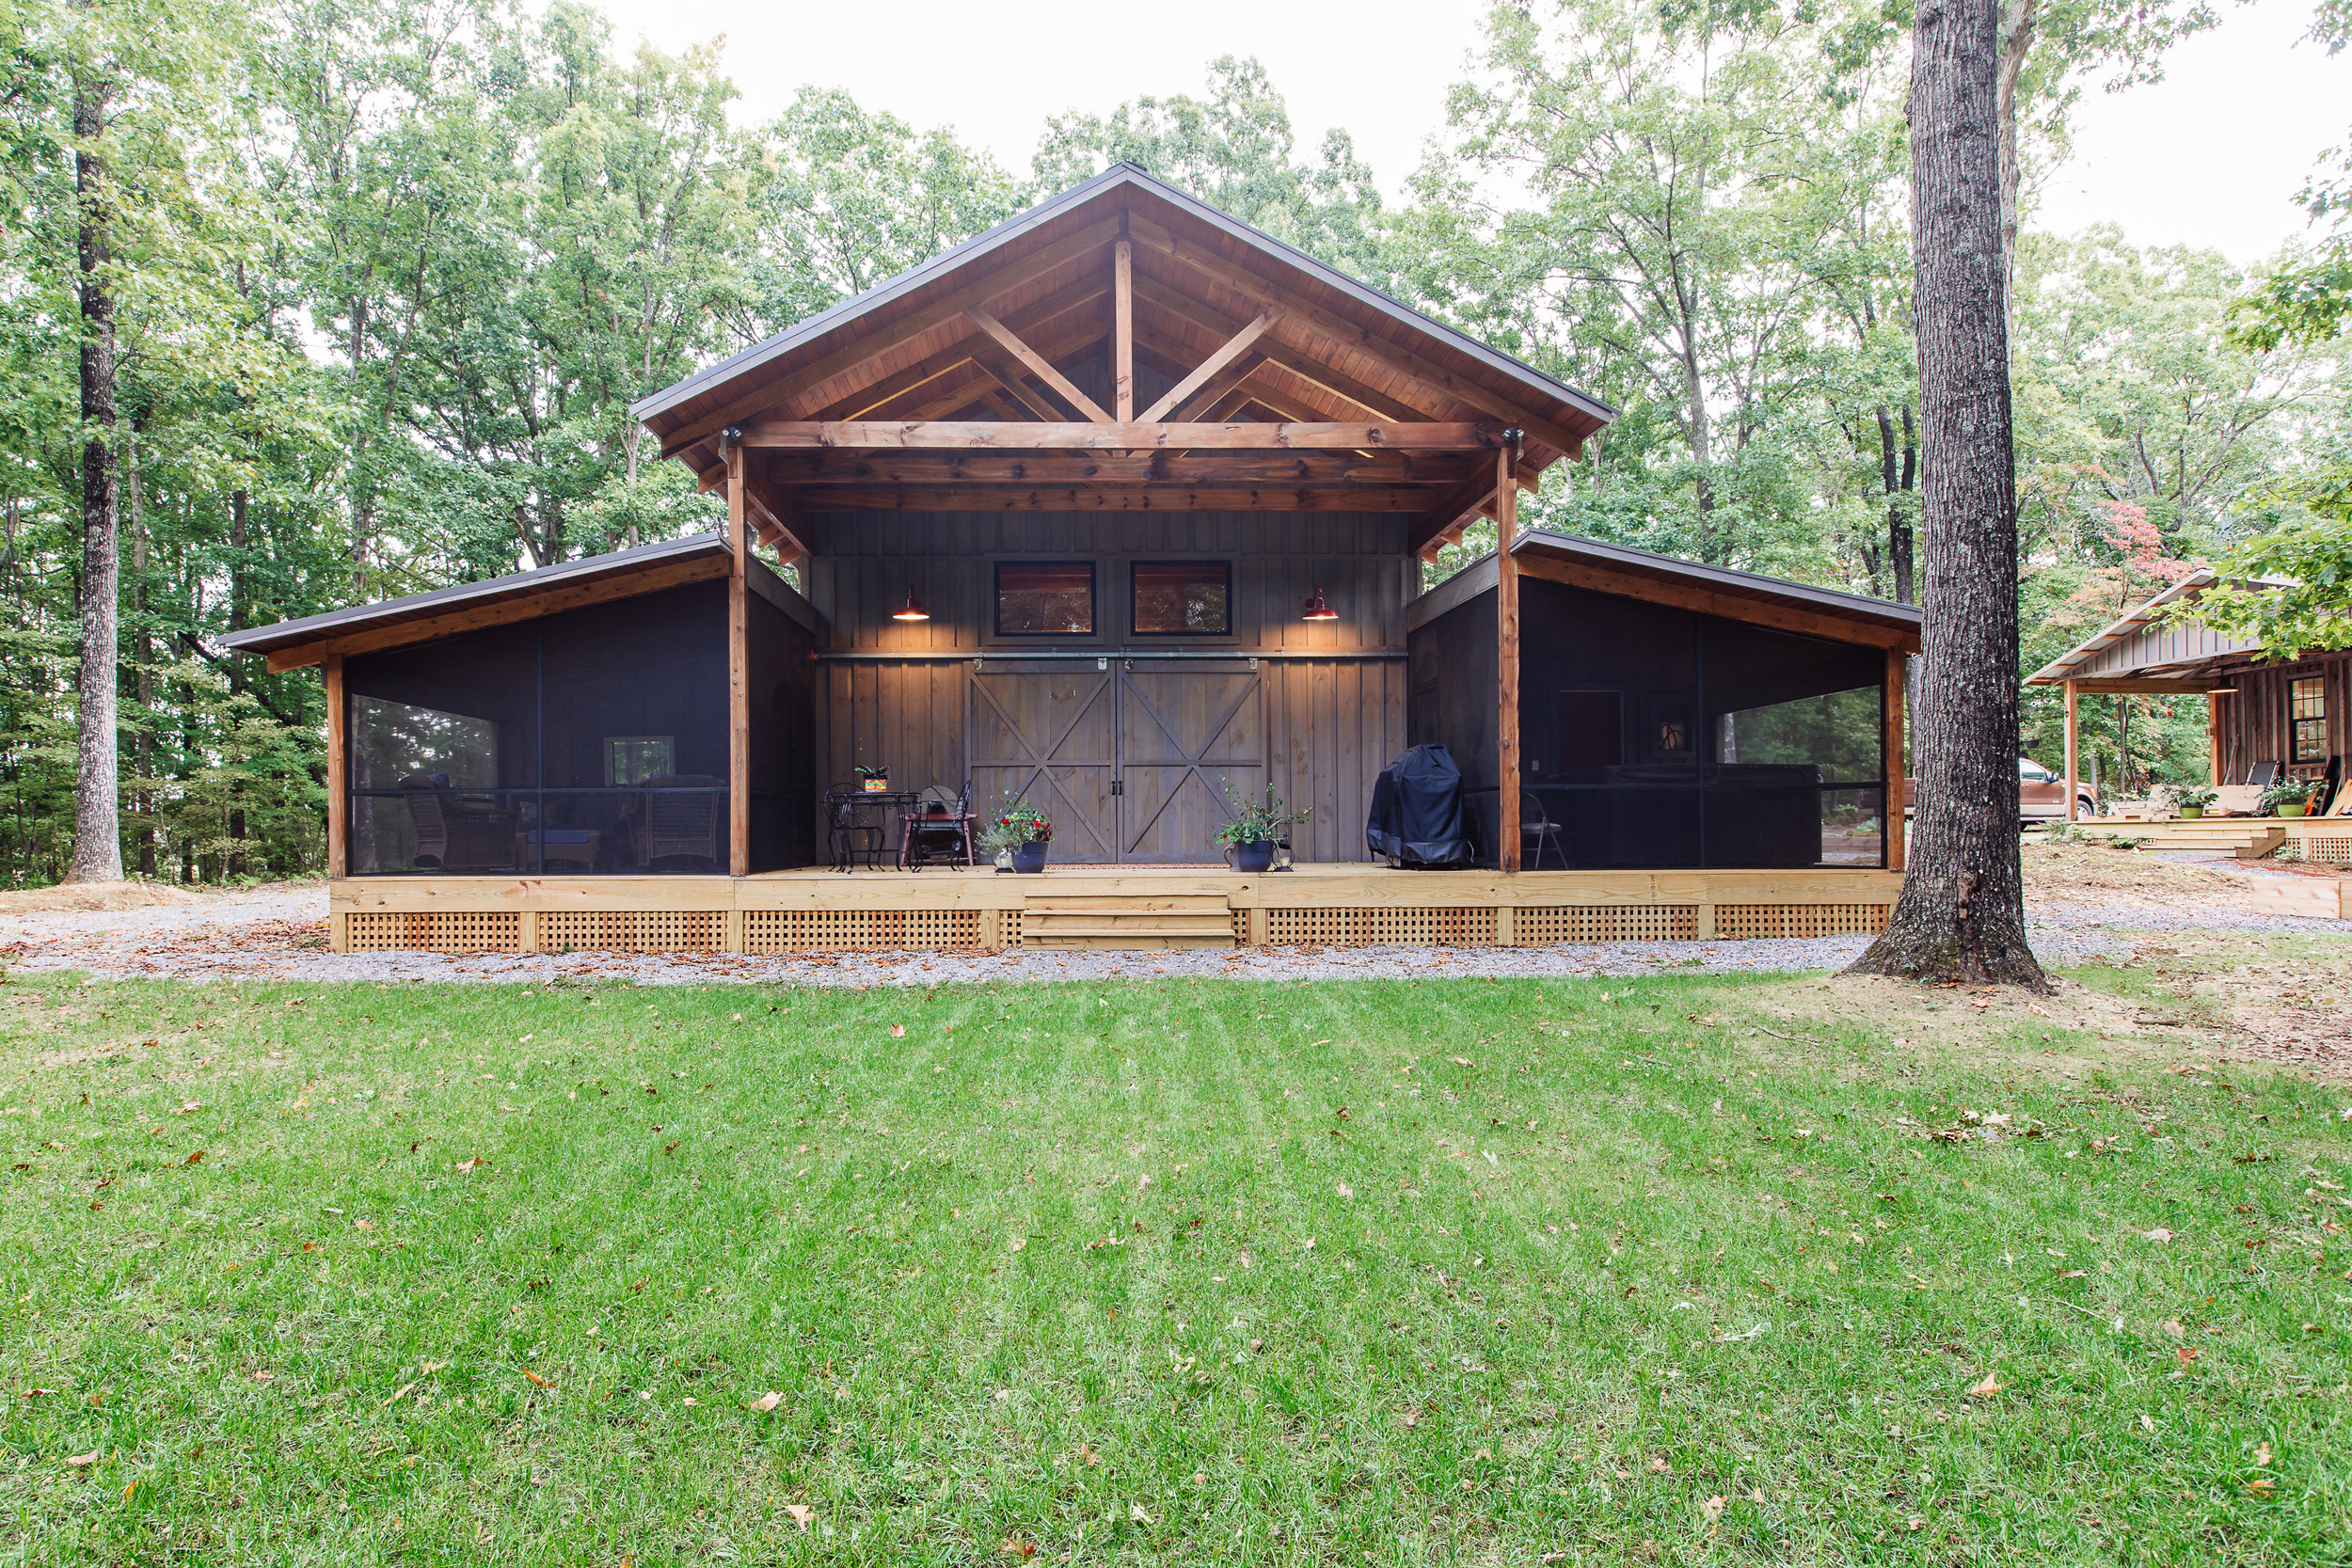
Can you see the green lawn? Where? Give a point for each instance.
(1456, 1271)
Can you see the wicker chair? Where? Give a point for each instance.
(455, 833)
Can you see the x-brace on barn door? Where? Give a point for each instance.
(1129, 761)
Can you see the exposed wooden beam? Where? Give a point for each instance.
(523, 606)
(1213, 390)
(2178, 685)
(1509, 772)
(946, 396)
(1139, 500)
(1264, 292)
(1029, 319)
(944, 435)
(739, 666)
(864, 351)
(1123, 331)
(1710, 601)
(1008, 380)
(1891, 801)
(1346, 388)
(1205, 371)
(1038, 366)
(338, 770)
(1313, 466)
(784, 530)
(1446, 520)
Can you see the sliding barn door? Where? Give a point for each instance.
(1184, 731)
(1128, 762)
(1050, 737)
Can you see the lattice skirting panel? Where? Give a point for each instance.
(861, 931)
(1735, 921)
(444, 933)
(1555, 923)
(1448, 927)
(632, 931)
(2334, 851)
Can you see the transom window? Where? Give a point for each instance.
(1177, 598)
(2307, 717)
(1044, 598)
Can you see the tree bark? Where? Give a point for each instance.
(1962, 914)
(143, 655)
(97, 800)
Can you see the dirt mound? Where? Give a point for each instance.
(94, 898)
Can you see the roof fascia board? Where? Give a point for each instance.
(1756, 584)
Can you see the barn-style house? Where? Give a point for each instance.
(1121, 509)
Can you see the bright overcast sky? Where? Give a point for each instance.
(2211, 156)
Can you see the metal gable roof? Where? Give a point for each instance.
(802, 333)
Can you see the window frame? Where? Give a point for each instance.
(1136, 563)
(2298, 717)
(996, 600)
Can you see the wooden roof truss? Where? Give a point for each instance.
(1276, 400)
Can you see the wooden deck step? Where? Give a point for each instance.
(1067, 919)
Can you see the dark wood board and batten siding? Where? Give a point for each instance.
(897, 693)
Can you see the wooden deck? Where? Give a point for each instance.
(1328, 905)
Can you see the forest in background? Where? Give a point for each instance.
(386, 275)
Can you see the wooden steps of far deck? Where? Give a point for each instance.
(1067, 919)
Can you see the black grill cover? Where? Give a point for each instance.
(1415, 816)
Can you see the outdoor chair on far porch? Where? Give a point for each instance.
(938, 831)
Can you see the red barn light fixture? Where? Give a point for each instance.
(913, 610)
(1317, 609)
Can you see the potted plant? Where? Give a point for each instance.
(1017, 834)
(2290, 797)
(873, 780)
(1254, 828)
(2192, 802)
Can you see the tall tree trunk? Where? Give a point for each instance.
(1962, 915)
(233, 864)
(143, 653)
(97, 802)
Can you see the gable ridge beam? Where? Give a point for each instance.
(863, 350)
(1233, 275)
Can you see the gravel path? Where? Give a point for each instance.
(281, 935)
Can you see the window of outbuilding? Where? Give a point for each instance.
(1178, 598)
(1044, 598)
(2307, 717)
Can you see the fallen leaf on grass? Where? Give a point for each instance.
(767, 1400)
(1712, 1508)
(2261, 1486)
(263, 1377)
(2261, 1453)
(2172, 1327)
(1989, 1387)
(194, 1157)
(898, 1031)
(1134, 1512)
(537, 1379)
(398, 1392)
(1017, 1548)
(430, 1367)
(801, 1515)
(1658, 1465)
(2158, 1235)
(1347, 1191)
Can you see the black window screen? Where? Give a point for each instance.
(588, 742)
(1044, 598)
(1177, 597)
(1659, 737)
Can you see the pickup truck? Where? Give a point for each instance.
(2040, 795)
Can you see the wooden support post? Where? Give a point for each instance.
(1898, 667)
(1123, 331)
(1259, 926)
(1506, 926)
(2212, 739)
(1507, 652)
(739, 669)
(339, 931)
(338, 773)
(2074, 791)
(731, 931)
(1705, 930)
(527, 935)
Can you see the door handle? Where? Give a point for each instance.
(1118, 786)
